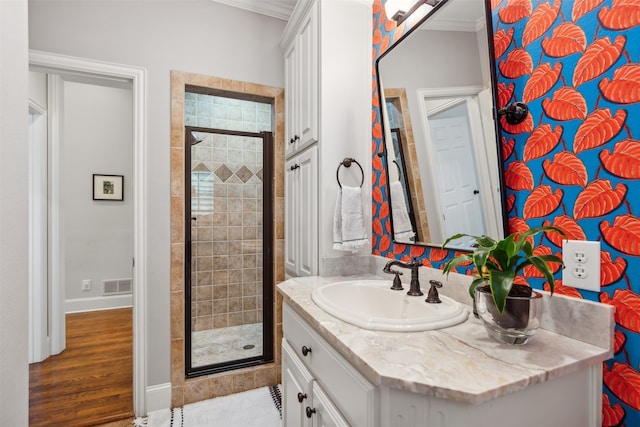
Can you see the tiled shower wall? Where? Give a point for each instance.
(189, 390)
(226, 176)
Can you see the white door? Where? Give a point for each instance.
(292, 79)
(301, 213)
(308, 85)
(291, 215)
(308, 220)
(296, 391)
(326, 414)
(456, 176)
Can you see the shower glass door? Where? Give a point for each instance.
(229, 274)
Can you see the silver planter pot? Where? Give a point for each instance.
(519, 320)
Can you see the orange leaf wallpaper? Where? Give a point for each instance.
(574, 163)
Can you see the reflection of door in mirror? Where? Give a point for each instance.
(459, 139)
(228, 234)
(446, 57)
(452, 149)
(397, 117)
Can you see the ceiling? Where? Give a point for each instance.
(458, 15)
(280, 9)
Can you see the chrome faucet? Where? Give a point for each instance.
(414, 289)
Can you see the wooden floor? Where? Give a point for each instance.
(91, 381)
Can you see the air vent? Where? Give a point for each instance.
(116, 286)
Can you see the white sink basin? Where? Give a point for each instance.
(371, 304)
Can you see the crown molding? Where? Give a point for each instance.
(455, 25)
(280, 9)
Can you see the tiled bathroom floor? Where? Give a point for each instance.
(219, 345)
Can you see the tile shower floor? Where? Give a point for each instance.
(220, 345)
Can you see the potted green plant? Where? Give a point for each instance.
(510, 312)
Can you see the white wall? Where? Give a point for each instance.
(197, 36)
(345, 117)
(98, 138)
(14, 373)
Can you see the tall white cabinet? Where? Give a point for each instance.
(327, 56)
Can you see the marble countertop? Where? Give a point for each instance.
(460, 363)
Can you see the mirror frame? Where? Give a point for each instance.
(497, 127)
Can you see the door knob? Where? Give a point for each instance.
(305, 350)
(301, 397)
(514, 113)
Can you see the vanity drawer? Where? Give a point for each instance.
(352, 393)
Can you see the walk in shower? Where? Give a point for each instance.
(229, 241)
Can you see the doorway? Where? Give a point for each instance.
(456, 139)
(452, 149)
(136, 78)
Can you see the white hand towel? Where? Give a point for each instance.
(402, 228)
(349, 233)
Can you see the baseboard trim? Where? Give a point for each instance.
(158, 397)
(78, 305)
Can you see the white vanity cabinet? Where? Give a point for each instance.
(320, 387)
(301, 85)
(453, 377)
(301, 213)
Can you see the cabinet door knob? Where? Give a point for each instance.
(301, 397)
(305, 350)
(294, 167)
(310, 411)
(294, 139)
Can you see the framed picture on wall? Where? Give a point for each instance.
(108, 187)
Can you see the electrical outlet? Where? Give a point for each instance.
(580, 257)
(579, 273)
(581, 264)
(86, 285)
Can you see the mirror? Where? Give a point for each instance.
(441, 140)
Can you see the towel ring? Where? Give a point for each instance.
(347, 163)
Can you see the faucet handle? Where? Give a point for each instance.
(432, 296)
(397, 284)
